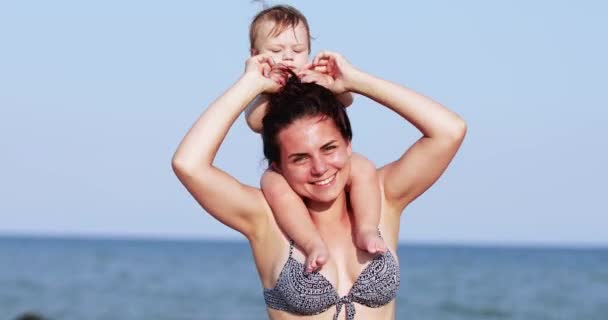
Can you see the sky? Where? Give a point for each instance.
(96, 95)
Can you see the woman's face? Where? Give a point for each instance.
(315, 158)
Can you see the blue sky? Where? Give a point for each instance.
(95, 96)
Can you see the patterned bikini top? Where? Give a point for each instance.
(303, 293)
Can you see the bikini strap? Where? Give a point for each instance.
(291, 244)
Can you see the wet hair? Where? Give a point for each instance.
(298, 100)
(283, 16)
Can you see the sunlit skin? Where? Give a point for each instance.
(315, 159)
(245, 209)
(289, 48)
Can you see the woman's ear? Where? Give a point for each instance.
(349, 149)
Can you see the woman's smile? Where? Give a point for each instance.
(326, 182)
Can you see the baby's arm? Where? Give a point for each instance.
(255, 111)
(364, 189)
(365, 198)
(292, 216)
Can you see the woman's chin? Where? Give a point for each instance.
(324, 198)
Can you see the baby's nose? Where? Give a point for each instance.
(287, 55)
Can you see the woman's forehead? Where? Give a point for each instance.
(309, 132)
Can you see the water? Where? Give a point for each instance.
(149, 279)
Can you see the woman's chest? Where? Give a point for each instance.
(343, 270)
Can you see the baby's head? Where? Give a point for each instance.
(282, 32)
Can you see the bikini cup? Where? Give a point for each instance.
(304, 293)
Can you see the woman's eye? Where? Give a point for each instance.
(329, 148)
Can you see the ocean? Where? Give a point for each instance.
(69, 279)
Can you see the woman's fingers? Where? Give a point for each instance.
(320, 68)
(324, 55)
(280, 73)
(273, 76)
(306, 76)
(322, 62)
(261, 64)
(264, 58)
(265, 69)
(309, 76)
(326, 62)
(308, 66)
(278, 76)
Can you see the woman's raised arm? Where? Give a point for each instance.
(442, 130)
(234, 204)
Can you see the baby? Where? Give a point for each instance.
(282, 33)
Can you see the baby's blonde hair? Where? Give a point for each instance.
(283, 16)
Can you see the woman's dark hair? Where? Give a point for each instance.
(295, 101)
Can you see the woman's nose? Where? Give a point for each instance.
(319, 167)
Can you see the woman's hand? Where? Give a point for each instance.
(265, 72)
(339, 73)
(309, 75)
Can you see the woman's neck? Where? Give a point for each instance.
(328, 214)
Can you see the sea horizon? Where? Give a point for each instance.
(235, 239)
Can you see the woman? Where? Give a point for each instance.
(311, 149)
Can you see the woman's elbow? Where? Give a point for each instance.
(181, 167)
(456, 131)
(460, 129)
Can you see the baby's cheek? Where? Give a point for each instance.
(276, 57)
(301, 61)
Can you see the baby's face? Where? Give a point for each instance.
(290, 47)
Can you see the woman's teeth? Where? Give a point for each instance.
(326, 181)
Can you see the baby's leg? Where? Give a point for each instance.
(365, 200)
(293, 217)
